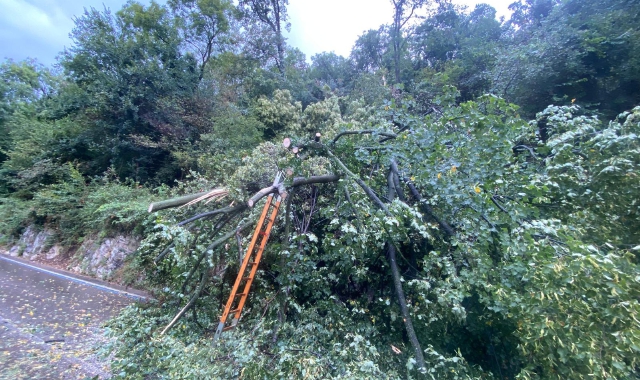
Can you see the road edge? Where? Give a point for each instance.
(136, 294)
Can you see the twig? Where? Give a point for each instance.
(495, 202)
(525, 147)
(483, 216)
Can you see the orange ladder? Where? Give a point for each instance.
(250, 263)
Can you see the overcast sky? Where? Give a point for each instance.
(40, 28)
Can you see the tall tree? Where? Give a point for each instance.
(403, 11)
(273, 15)
(572, 51)
(332, 70)
(22, 84)
(456, 48)
(131, 77)
(371, 50)
(204, 25)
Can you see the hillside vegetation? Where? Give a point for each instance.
(479, 217)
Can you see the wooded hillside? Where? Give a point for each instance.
(462, 192)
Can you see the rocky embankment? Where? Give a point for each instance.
(102, 258)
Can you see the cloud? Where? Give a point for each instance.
(40, 28)
(27, 30)
(334, 25)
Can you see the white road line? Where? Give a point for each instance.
(74, 279)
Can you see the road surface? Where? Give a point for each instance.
(51, 322)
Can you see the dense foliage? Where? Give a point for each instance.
(474, 228)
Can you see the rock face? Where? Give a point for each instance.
(35, 245)
(96, 256)
(101, 258)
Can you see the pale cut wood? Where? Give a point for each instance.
(175, 202)
(219, 192)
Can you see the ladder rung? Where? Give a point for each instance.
(246, 278)
(228, 328)
(234, 311)
(251, 263)
(241, 294)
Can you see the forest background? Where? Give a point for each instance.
(477, 217)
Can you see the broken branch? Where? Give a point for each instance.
(175, 202)
(192, 301)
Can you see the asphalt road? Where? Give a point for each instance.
(50, 322)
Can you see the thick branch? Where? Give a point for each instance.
(263, 193)
(301, 181)
(175, 202)
(388, 135)
(391, 189)
(397, 282)
(367, 190)
(287, 218)
(429, 211)
(240, 252)
(163, 253)
(192, 301)
(391, 253)
(396, 180)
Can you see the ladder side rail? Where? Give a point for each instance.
(257, 259)
(244, 265)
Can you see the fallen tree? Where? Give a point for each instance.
(438, 245)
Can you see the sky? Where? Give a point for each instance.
(40, 28)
